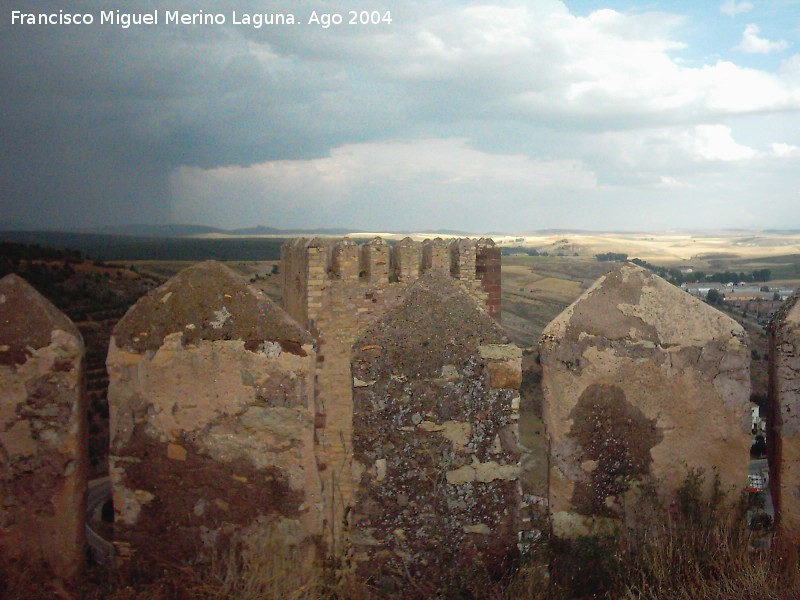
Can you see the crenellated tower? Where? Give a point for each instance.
(336, 289)
(310, 267)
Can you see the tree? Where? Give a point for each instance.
(759, 447)
(713, 297)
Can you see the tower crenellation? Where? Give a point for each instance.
(405, 260)
(336, 290)
(462, 259)
(375, 260)
(435, 256)
(487, 270)
(309, 268)
(345, 260)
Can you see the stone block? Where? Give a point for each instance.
(783, 433)
(435, 256)
(211, 398)
(505, 374)
(405, 256)
(42, 433)
(439, 488)
(641, 383)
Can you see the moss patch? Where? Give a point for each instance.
(615, 440)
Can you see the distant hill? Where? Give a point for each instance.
(117, 247)
(183, 242)
(155, 230)
(167, 231)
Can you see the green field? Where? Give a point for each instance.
(537, 288)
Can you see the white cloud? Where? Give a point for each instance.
(536, 63)
(781, 150)
(715, 143)
(733, 8)
(751, 43)
(667, 156)
(669, 182)
(605, 109)
(399, 174)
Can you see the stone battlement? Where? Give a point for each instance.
(379, 262)
(310, 265)
(337, 289)
(378, 411)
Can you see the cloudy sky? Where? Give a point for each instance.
(478, 116)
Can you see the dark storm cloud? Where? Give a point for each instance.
(485, 114)
(96, 117)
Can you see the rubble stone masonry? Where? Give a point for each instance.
(336, 291)
(642, 382)
(377, 412)
(212, 420)
(783, 433)
(43, 453)
(436, 406)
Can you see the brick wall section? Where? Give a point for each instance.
(435, 256)
(346, 310)
(487, 270)
(375, 260)
(211, 399)
(783, 433)
(346, 261)
(294, 279)
(338, 308)
(405, 256)
(614, 363)
(42, 433)
(462, 259)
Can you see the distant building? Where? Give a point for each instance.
(759, 423)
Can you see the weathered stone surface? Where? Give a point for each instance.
(505, 374)
(338, 310)
(532, 440)
(405, 260)
(375, 260)
(487, 270)
(641, 381)
(436, 442)
(435, 256)
(783, 443)
(212, 418)
(207, 302)
(42, 432)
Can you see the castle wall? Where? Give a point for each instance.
(487, 270)
(405, 260)
(212, 421)
(345, 311)
(435, 256)
(435, 401)
(375, 261)
(294, 279)
(462, 259)
(641, 383)
(783, 434)
(347, 288)
(43, 449)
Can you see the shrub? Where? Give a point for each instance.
(702, 548)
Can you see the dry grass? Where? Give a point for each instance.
(703, 549)
(667, 248)
(536, 289)
(694, 550)
(713, 563)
